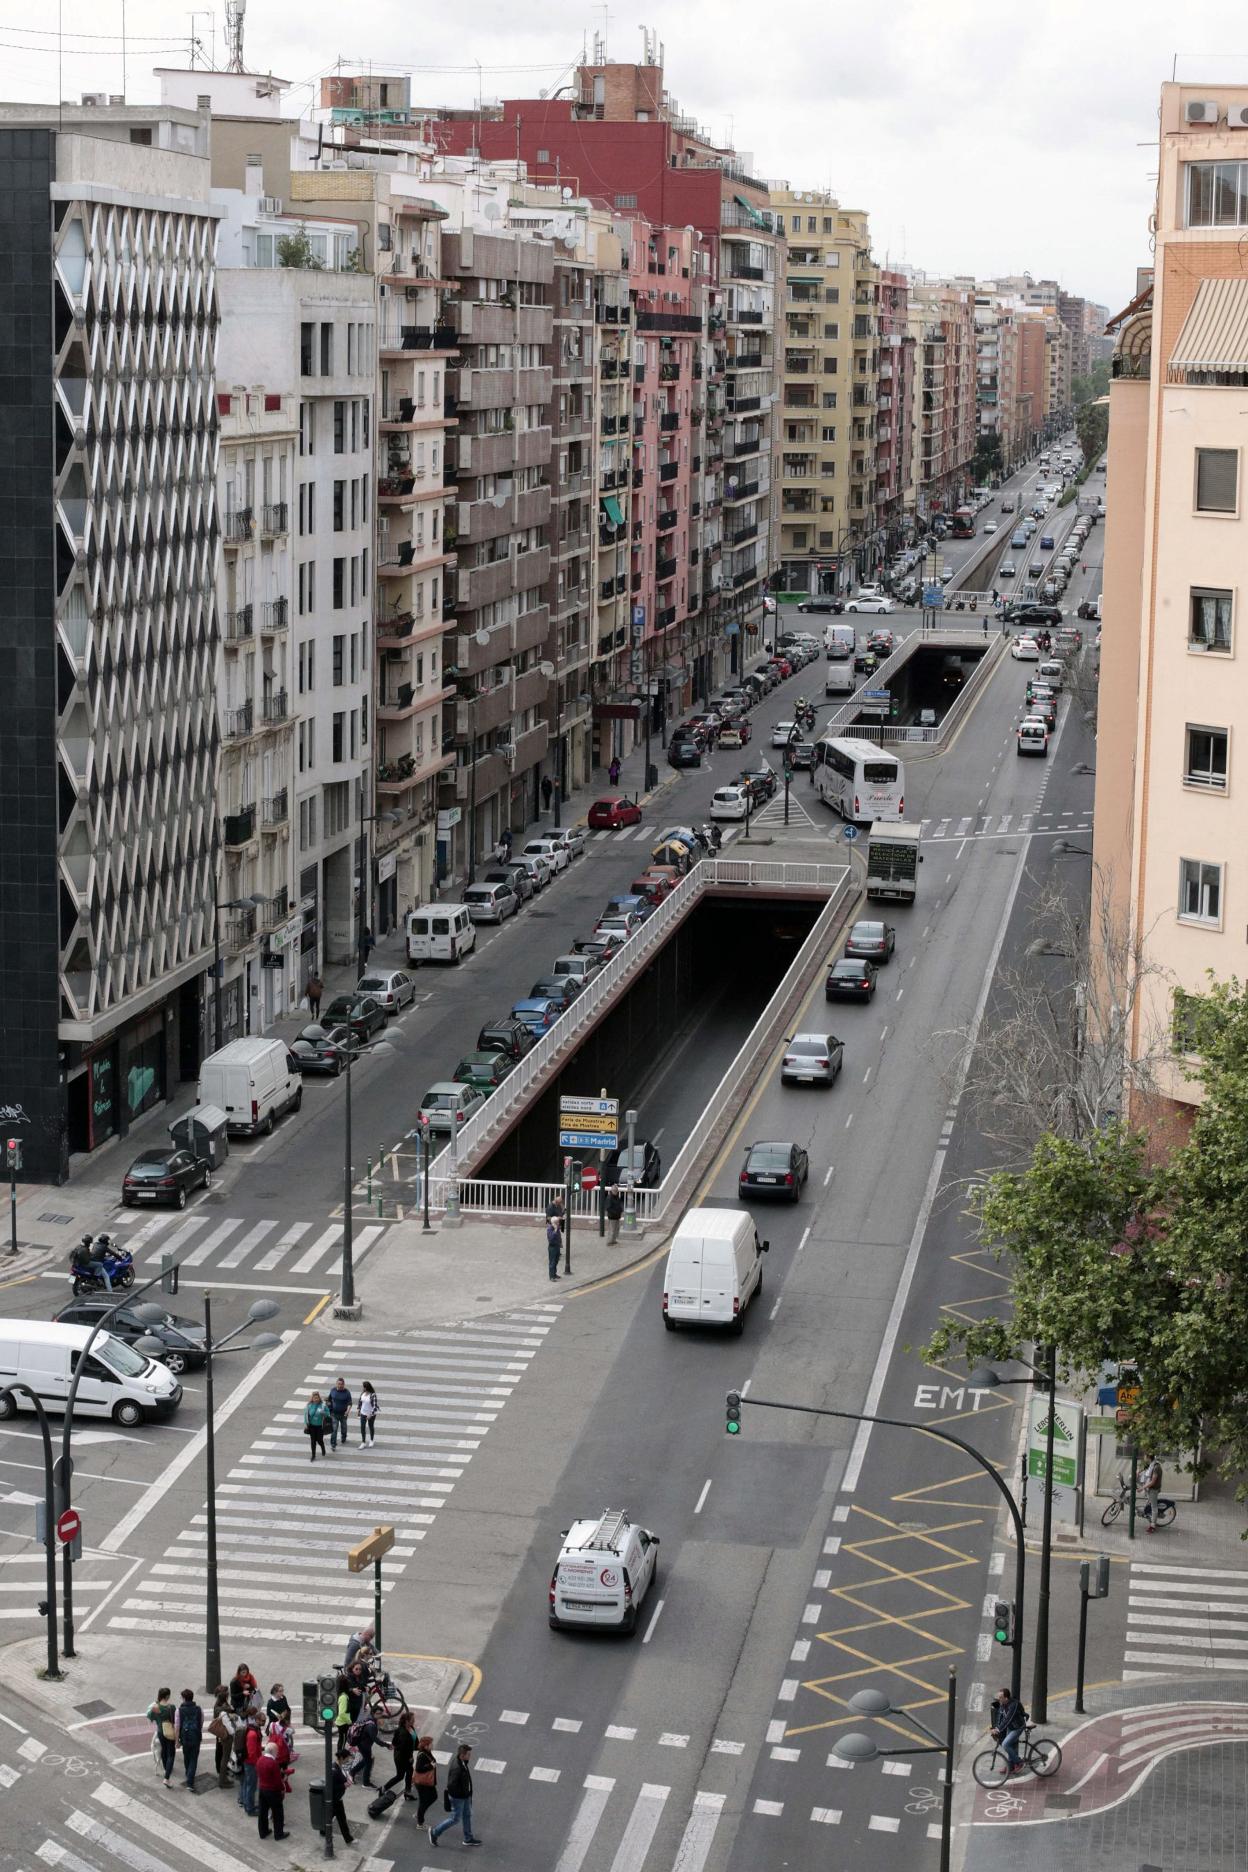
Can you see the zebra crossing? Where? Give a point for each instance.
(206, 1244)
(953, 830)
(440, 1390)
(1182, 1618)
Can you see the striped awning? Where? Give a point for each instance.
(1213, 343)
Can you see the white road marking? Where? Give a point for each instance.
(805, 1238)
(567, 1725)
(827, 1175)
(544, 1774)
(701, 1501)
(323, 1243)
(654, 1619)
(157, 1821)
(699, 1834)
(585, 1824)
(252, 1239)
(642, 1825)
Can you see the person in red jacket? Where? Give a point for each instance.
(272, 1792)
(251, 1751)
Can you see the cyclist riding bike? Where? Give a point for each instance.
(1009, 1719)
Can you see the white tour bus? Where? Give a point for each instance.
(859, 780)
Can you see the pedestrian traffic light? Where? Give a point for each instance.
(733, 1425)
(1094, 1578)
(311, 1706)
(1003, 1622)
(168, 1274)
(13, 1153)
(327, 1689)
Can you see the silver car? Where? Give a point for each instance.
(391, 987)
(573, 839)
(812, 1059)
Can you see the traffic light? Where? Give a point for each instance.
(327, 1696)
(733, 1425)
(311, 1706)
(1003, 1622)
(168, 1274)
(12, 1154)
(1094, 1584)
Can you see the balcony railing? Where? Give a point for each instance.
(239, 828)
(418, 338)
(669, 420)
(238, 723)
(664, 570)
(238, 525)
(275, 812)
(669, 371)
(237, 931)
(668, 471)
(274, 518)
(274, 616)
(275, 707)
(239, 625)
(667, 520)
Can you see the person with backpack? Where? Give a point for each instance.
(189, 1725)
(221, 1729)
(363, 1735)
(316, 1420)
(1150, 1482)
(162, 1715)
(368, 1409)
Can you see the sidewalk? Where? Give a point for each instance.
(98, 1708)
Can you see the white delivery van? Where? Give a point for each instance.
(1033, 736)
(714, 1269)
(440, 933)
(838, 678)
(117, 1382)
(1053, 672)
(839, 642)
(604, 1570)
(251, 1083)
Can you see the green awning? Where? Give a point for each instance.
(751, 210)
(614, 512)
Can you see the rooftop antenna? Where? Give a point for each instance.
(606, 22)
(235, 12)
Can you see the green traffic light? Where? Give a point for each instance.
(733, 1427)
(327, 1715)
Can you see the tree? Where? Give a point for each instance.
(1092, 428)
(988, 461)
(1051, 1056)
(295, 250)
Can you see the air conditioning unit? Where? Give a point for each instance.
(1237, 116)
(95, 100)
(1198, 113)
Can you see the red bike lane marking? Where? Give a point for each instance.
(1107, 1759)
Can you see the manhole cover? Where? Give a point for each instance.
(93, 1709)
(59, 1219)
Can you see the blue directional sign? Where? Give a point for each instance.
(933, 598)
(850, 834)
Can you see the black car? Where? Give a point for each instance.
(555, 988)
(865, 661)
(1032, 614)
(321, 1049)
(848, 980)
(774, 1169)
(506, 1036)
(361, 1013)
(760, 781)
(1089, 611)
(871, 942)
(167, 1176)
(684, 753)
(802, 754)
(642, 1166)
(183, 1339)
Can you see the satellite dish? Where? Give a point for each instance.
(482, 637)
(492, 211)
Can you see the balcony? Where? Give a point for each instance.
(237, 931)
(606, 589)
(239, 626)
(749, 445)
(397, 337)
(238, 829)
(609, 425)
(482, 714)
(669, 371)
(745, 490)
(668, 471)
(276, 909)
(741, 269)
(664, 569)
(275, 519)
(397, 703)
(667, 520)
(746, 360)
(668, 322)
(397, 624)
(274, 617)
(238, 526)
(275, 812)
(669, 420)
(743, 406)
(275, 708)
(744, 533)
(665, 618)
(238, 723)
(746, 318)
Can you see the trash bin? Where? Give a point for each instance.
(316, 1806)
(652, 778)
(202, 1131)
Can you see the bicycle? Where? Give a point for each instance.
(383, 1697)
(1039, 1755)
(1165, 1507)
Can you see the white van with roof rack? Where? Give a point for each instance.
(605, 1569)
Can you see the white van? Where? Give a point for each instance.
(839, 642)
(440, 933)
(1033, 736)
(604, 1570)
(1053, 672)
(118, 1382)
(251, 1083)
(838, 678)
(714, 1269)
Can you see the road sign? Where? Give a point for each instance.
(379, 1542)
(589, 1123)
(600, 1106)
(850, 834)
(588, 1140)
(68, 1525)
(874, 701)
(933, 598)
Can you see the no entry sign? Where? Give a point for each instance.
(68, 1525)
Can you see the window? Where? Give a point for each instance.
(827, 432)
(1200, 891)
(1217, 473)
(327, 350)
(834, 259)
(338, 648)
(831, 328)
(340, 425)
(305, 350)
(339, 492)
(307, 823)
(1217, 194)
(336, 748)
(1205, 762)
(337, 799)
(355, 656)
(621, 201)
(1185, 1021)
(339, 582)
(828, 228)
(1209, 620)
(307, 428)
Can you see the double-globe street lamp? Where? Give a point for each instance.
(251, 902)
(856, 1747)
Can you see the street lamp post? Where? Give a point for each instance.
(1046, 1374)
(258, 1310)
(364, 895)
(551, 674)
(347, 1290)
(857, 1747)
(53, 1668)
(252, 902)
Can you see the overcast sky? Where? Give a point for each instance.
(982, 138)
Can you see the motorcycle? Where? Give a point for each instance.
(711, 835)
(99, 1265)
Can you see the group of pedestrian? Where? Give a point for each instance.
(332, 1414)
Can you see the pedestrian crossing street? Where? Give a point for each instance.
(1183, 1618)
(209, 1245)
(440, 1391)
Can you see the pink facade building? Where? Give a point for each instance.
(894, 452)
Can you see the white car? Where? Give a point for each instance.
(1006, 569)
(1025, 650)
(391, 987)
(574, 838)
(871, 601)
(729, 802)
(539, 869)
(781, 732)
(990, 526)
(1033, 736)
(605, 1568)
(553, 850)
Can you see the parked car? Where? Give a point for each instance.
(448, 1104)
(537, 871)
(620, 927)
(164, 1176)
(642, 1166)
(612, 811)
(553, 850)
(630, 903)
(391, 987)
(321, 1049)
(599, 949)
(581, 968)
(183, 1339)
(684, 753)
(774, 1169)
(485, 1071)
(812, 1059)
(848, 980)
(492, 903)
(573, 836)
(555, 988)
(869, 941)
(362, 1013)
(654, 884)
(538, 1012)
(514, 875)
(508, 1036)
(729, 802)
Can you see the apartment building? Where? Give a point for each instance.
(946, 370)
(1171, 804)
(895, 491)
(109, 842)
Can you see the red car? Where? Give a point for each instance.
(783, 665)
(612, 811)
(654, 885)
